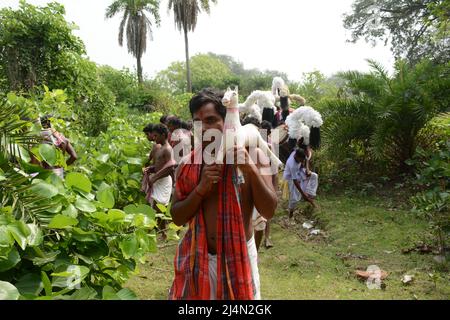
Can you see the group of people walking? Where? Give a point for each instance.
(225, 219)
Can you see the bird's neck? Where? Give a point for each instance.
(232, 119)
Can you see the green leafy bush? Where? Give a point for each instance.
(433, 176)
(77, 238)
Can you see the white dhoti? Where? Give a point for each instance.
(308, 184)
(253, 257)
(162, 190)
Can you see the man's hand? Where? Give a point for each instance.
(241, 158)
(211, 174)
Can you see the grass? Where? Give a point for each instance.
(356, 232)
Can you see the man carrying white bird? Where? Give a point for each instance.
(217, 257)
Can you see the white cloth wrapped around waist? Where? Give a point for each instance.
(162, 190)
(253, 257)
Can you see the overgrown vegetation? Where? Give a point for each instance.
(83, 236)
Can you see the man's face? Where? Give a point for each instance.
(210, 119)
(299, 159)
(150, 136)
(159, 138)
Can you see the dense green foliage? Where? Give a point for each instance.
(377, 118)
(81, 237)
(433, 166)
(37, 47)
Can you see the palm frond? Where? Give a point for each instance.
(115, 8)
(122, 26)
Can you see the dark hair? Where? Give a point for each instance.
(174, 121)
(251, 120)
(266, 125)
(163, 119)
(45, 120)
(161, 129)
(149, 128)
(300, 153)
(184, 125)
(208, 96)
(189, 125)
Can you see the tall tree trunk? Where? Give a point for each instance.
(188, 66)
(139, 70)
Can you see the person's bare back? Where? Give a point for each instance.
(162, 156)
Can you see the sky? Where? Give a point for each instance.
(291, 36)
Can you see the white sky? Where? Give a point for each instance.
(292, 36)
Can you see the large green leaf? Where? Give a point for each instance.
(61, 222)
(8, 291)
(70, 211)
(85, 205)
(106, 198)
(6, 238)
(35, 238)
(129, 246)
(127, 294)
(103, 158)
(85, 293)
(44, 258)
(20, 231)
(44, 189)
(79, 180)
(30, 284)
(135, 161)
(108, 293)
(48, 154)
(47, 284)
(142, 208)
(84, 236)
(9, 261)
(115, 215)
(71, 277)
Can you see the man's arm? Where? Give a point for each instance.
(166, 171)
(263, 192)
(184, 210)
(71, 151)
(297, 184)
(162, 174)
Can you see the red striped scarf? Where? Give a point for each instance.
(234, 277)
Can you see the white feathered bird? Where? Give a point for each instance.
(301, 120)
(253, 111)
(277, 83)
(264, 99)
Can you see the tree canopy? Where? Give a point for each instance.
(416, 29)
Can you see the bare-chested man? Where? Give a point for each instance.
(161, 180)
(204, 196)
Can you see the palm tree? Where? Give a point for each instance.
(185, 15)
(379, 116)
(138, 25)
